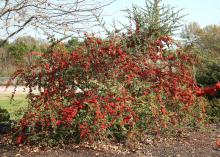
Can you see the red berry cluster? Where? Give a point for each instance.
(106, 84)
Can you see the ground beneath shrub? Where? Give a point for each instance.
(189, 144)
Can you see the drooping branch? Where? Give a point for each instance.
(53, 18)
(17, 31)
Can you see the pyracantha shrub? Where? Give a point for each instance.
(107, 88)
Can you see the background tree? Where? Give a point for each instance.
(63, 18)
(204, 42)
(152, 21)
(24, 45)
(72, 44)
(17, 53)
(155, 19)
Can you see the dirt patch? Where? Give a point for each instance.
(193, 144)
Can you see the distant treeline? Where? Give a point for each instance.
(17, 53)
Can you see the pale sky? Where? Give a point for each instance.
(204, 12)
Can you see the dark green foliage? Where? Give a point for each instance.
(72, 44)
(213, 110)
(209, 75)
(4, 115)
(5, 124)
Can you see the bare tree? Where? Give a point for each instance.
(51, 17)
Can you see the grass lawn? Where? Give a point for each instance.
(16, 108)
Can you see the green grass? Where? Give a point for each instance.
(16, 108)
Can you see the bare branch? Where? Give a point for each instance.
(59, 18)
(17, 31)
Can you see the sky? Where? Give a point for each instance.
(204, 12)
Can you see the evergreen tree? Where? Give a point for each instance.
(155, 19)
(152, 22)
